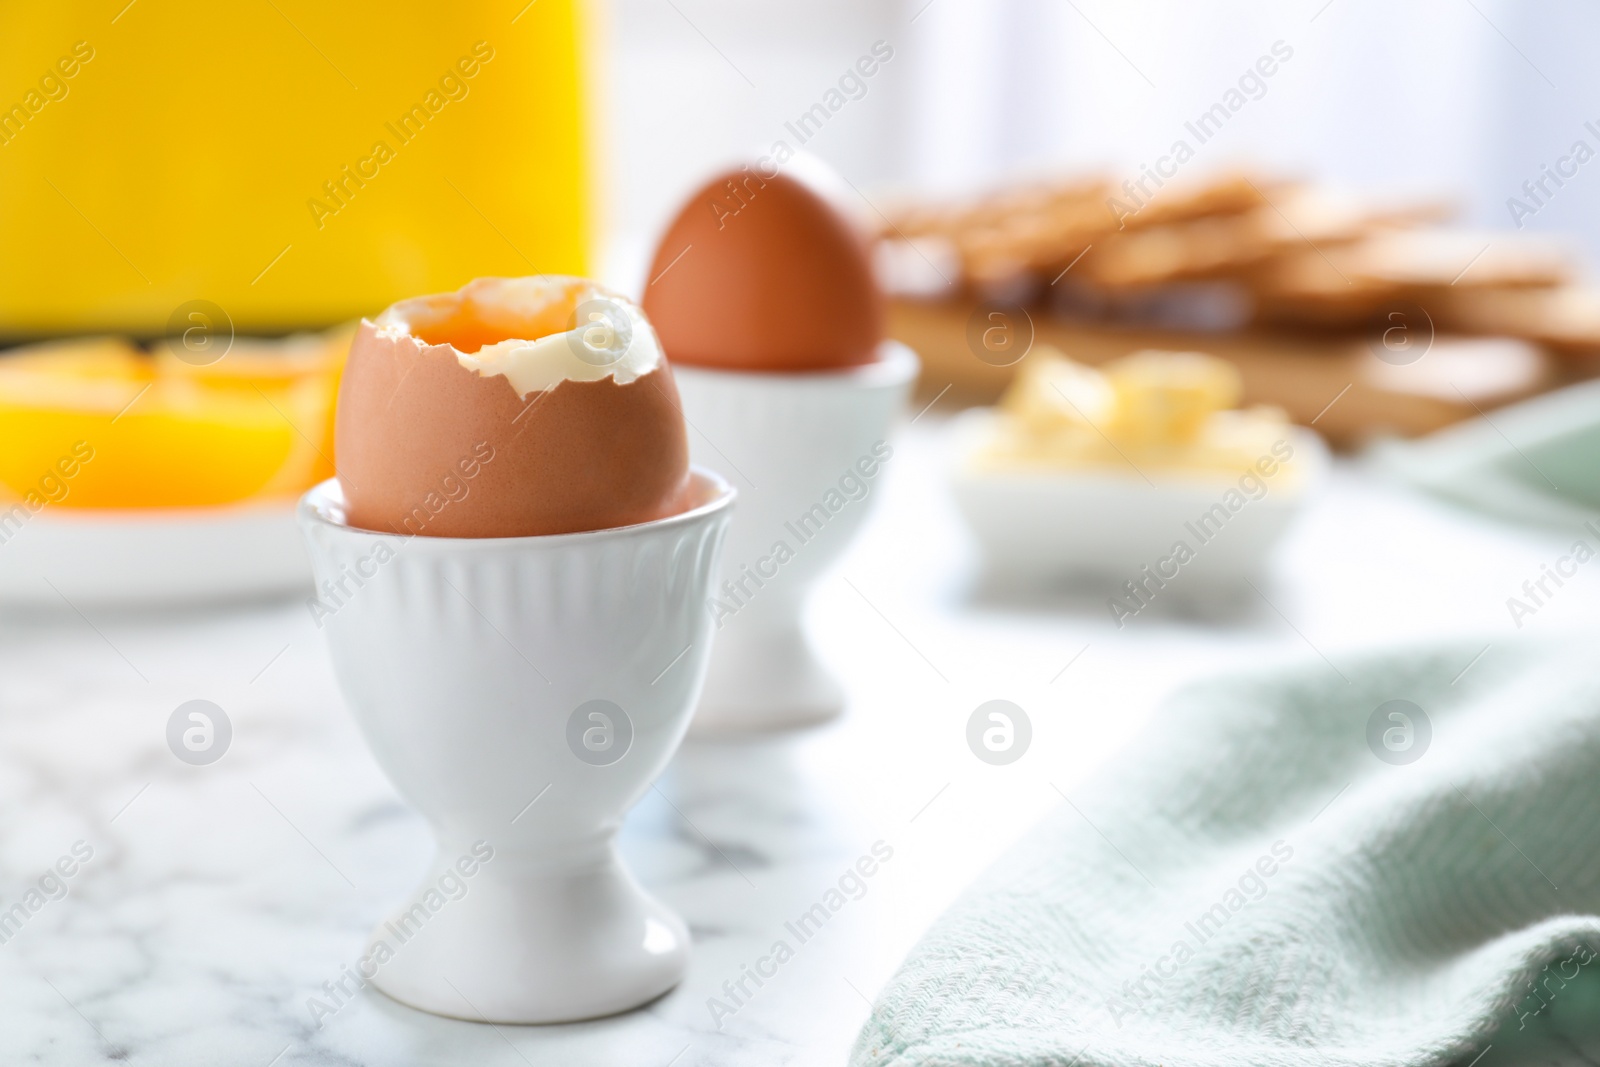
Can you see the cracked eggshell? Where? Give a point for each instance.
(426, 445)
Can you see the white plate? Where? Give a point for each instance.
(1112, 523)
(79, 557)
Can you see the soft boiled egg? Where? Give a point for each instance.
(512, 407)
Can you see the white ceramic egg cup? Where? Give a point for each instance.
(465, 662)
(789, 439)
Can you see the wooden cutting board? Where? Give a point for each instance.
(1332, 381)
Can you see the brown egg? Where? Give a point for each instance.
(760, 273)
(483, 413)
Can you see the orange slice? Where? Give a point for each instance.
(97, 424)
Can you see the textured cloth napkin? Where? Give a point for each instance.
(1533, 462)
(1250, 883)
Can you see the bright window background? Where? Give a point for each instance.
(1465, 98)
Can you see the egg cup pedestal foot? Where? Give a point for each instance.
(522, 693)
(765, 676)
(526, 942)
(807, 450)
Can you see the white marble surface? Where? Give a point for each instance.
(220, 898)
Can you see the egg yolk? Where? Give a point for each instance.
(470, 325)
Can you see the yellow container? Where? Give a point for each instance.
(295, 162)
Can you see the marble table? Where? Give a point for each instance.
(218, 900)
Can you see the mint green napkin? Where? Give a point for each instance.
(1535, 462)
(1251, 883)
